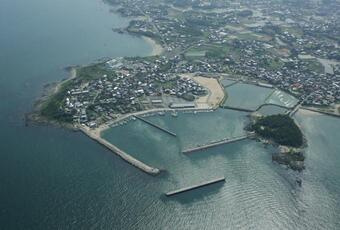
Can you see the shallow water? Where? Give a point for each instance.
(271, 110)
(257, 193)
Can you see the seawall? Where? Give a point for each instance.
(206, 183)
(133, 161)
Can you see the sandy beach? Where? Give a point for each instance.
(215, 95)
(308, 112)
(157, 49)
(315, 111)
(72, 75)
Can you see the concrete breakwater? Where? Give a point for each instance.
(133, 161)
(272, 104)
(220, 179)
(237, 108)
(156, 126)
(216, 143)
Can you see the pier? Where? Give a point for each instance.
(133, 161)
(156, 126)
(220, 179)
(216, 143)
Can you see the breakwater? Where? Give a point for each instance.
(237, 108)
(272, 104)
(156, 126)
(133, 161)
(216, 143)
(220, 179)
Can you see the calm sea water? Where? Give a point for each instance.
(271, 110)
(52, 178)
(258, 194)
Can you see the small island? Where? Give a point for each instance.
(282, 130)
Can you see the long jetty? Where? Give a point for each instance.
(238, 108)
(216, 143)
(156, 126)
(133, 161)
(220, 179)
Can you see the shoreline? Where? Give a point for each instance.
(49, 90)
(313, 110)
(216, 94)
(105, 126)
(157, 49)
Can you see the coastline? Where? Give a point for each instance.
(49, 91)
(101, 128)
(216, 93)
(52, 89)
(157, 49)
(314, 110)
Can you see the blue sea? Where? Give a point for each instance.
(52, 178)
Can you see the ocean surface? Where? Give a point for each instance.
(51, 178)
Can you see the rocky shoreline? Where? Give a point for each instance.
(34, 117)
(287, 151)
(292, 157)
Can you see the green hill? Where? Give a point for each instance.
(281, 129)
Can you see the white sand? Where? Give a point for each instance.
(157, 49)
(215, 95)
